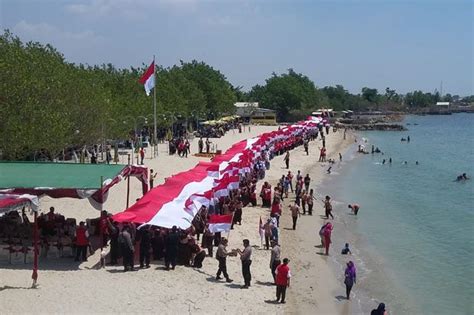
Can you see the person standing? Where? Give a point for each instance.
(152, 178)
(304, 199)
(145, 245)
(125, 240)
(321, 233)
(310, 201)
(208, 146)
(171, 248)
(104, 227)
(221, 256)
(354, 208)
(142, 155)
(268, 227)
(275, 258)
(287, 159)
(307, 181)
(82, 242)
(327, 237)
(200, 145)
(328, 207)
(290, 179)
(187, 147)
(306, 147)
(349, 278)
(108, 156)
(114, 244)
(295, 213)
(245, 257)
(283, 276)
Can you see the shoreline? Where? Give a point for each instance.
(319, 289)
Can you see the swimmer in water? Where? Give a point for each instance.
(383, 162)
(461, 177)
(417, 163)
(390, 160)
(346, 250)
(329, 170)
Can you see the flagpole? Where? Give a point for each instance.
(155, 142)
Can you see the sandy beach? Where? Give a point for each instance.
(69, 287)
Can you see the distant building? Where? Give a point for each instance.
(252, 113)
(442, 104)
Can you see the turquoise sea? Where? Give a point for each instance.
(413, 240)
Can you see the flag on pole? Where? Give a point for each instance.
(148, 78)
(220, 223)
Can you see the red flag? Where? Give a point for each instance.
(220, 223)
(148, 78)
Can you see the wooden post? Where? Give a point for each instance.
(101, 234)
(128, 184)
(34, 276)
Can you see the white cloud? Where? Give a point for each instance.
(221, 21)
(44, 32)
(132, 9)
(81, 47)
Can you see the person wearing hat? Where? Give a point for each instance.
(283, 276)
(221, 256)
(275, 258)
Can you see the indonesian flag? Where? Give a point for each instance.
(148, 78)
(220, 223)
(196, 201)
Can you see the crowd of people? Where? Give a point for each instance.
(191, 246)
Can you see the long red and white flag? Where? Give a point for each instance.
(148, 78)
(220, 223)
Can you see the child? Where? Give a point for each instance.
(346, 250)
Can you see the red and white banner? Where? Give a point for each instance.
(178, 200)
(220, 223)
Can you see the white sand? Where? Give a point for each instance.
(65, 287)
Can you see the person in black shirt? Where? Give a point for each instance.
(171, 245)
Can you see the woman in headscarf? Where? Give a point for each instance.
(349, 278)
(380, 310)
(327, 237)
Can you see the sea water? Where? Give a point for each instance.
(413, 239)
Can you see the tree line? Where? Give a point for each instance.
(48, 104)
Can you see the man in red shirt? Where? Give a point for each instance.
(82, 242)
(283, 276)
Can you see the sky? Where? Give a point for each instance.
(404, 45)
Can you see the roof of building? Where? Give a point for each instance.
(246, 104)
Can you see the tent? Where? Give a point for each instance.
(59, 180)
(22, 182)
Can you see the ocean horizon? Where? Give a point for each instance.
(413, 240)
